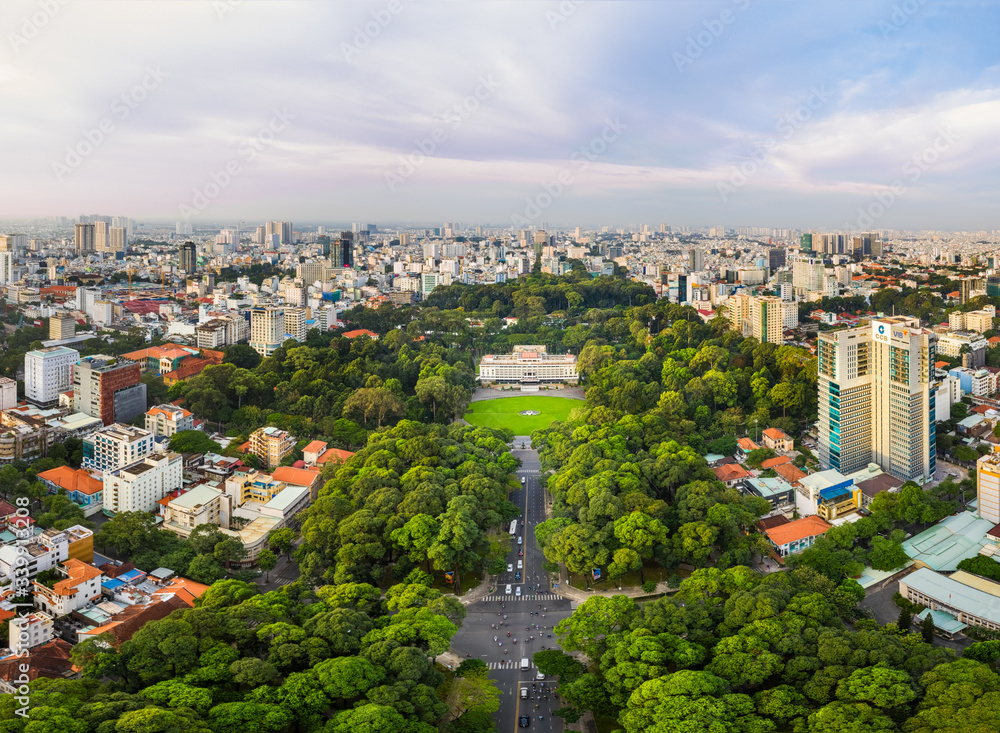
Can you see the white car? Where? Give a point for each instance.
(507, 590)
(510, 568)
(520, 564)
(539, 676)
(518, 591)
(520, 540)
(522, 480)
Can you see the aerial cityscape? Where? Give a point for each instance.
(593, 366)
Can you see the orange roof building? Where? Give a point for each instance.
(775, 462)
(746, 445)
(790, 473)
(730, 473)
(83, 489)
(299, 477)
(81, 586)
(361, 332)
(798, 535)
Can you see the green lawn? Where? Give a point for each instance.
(503, 413)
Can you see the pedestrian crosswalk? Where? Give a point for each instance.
(507, 664)
(526, 597)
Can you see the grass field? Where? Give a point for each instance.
(503, 413)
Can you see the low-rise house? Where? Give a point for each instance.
(777, 491)
(795, 536)
(167, 420)
(775, 462)
(81, 584)
(83, 489)
(745, 446)
(778, 440)
(730, 473)
(790, 473)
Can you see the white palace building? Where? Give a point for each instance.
(528, 365)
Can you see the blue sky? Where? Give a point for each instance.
(740, 112)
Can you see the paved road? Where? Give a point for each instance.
(476, 635)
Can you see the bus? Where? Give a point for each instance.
(513, 528)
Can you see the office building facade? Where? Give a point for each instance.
(188, 258)
(877, 398)
(108, 388)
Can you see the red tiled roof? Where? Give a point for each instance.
(798, 530)
(730, 472)
(296, 476)
(790, 473)
(73, 479)
(776, 461)
(360, 332)
(334, 455)
(314, 447)
(776, 434)
(747, 445)
(48, 660)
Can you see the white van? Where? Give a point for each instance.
(524, 693)
(525, 664)
(520, 564)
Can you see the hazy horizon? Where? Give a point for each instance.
(696, 114)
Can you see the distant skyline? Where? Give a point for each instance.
(736, 113)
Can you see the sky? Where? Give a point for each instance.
(827, 115)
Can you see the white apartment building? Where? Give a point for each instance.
(47, 373)
(8, 393)
(267, 329)
(950, 344)
(211, 335)
(528, 365)
(409, 284)
(81, 584)
(808, 275)
(137, 488)
(166, 420)
(295, 323)
(45, 551)
(203, 504)
(103, 312)
(27, 632)
(877, 398)
(116, 446)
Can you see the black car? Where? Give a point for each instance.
(524, 721)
